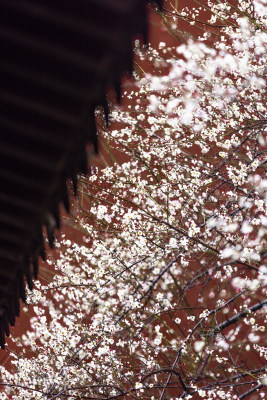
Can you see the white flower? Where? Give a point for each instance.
(191, 317)
(199, 346)
(253, 338)
(246, 228)
(138, 385)
(213, 19)
(223, 344)
(101, 211)
(157, 340)
(173, 243)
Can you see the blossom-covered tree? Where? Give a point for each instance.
(163, 294)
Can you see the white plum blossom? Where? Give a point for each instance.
(162, 286)
(199, 346)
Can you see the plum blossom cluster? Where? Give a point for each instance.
(163, 294)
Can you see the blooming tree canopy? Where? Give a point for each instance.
(163, 296)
